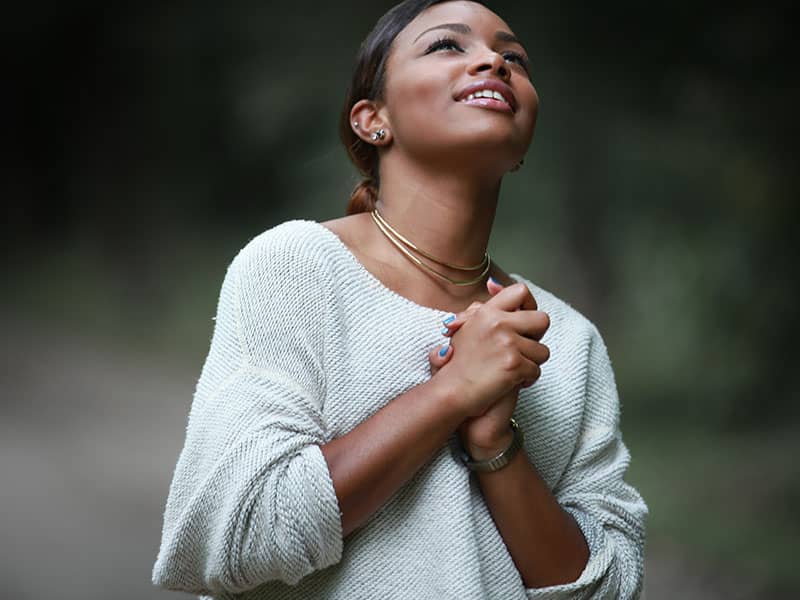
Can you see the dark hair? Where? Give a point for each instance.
(368, 82)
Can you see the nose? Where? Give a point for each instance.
(492, 62)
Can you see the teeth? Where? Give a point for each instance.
(486, 94)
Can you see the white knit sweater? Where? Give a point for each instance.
(308, 344)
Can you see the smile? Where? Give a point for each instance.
(488, 99)
(486, 94)
(489, 93)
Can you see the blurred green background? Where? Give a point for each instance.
(146, 143)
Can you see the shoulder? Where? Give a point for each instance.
(297, 247)
(285, 270)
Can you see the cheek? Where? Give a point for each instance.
(417, 103)
(528, 98)
(528, 107)
(424, 115)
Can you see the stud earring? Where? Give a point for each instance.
(517, 166)
(355, 124)
(378, 135)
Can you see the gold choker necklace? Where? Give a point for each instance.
(485, 264)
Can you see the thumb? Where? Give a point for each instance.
(493, 286)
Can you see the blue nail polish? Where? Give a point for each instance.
(445, 331)
(495, 281)
(449, 319)
(443, 351)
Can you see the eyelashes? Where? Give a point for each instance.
(450, 43)
(443, 43)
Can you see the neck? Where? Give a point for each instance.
(449, 215)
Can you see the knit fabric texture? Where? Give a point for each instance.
(307, 344)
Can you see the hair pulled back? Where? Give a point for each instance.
(369, 77)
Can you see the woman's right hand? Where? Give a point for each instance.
(498, 349)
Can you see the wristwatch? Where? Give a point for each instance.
(499, 461)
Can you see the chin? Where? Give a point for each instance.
(482, 143)
(497, 126)
(492, 139)
(472, 160)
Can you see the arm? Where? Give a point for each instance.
(543, 539)
(609, 511)
(567, 547)
(378, 456)
(251, 499)
(372, 461)
(585, 539)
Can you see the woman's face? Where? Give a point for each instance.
(446, 52)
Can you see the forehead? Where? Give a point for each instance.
(478, 17)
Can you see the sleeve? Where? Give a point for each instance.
(251, 498)
(609, 511)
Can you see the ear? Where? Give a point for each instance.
(370, 118)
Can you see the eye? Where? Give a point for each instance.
(515, 56)
(443, 43)
(518, 58)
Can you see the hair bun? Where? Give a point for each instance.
(363, 197)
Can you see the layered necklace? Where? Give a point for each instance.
(399, 241)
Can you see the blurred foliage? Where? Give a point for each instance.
(148, 142)
(151, 140)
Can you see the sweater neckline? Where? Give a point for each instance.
(377, 283)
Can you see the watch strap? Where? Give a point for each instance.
(499, 461)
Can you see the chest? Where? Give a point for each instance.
(379, 358)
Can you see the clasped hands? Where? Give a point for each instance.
(494, 352)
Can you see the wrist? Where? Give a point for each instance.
(447, 398)
(498, 458)
(489, 446)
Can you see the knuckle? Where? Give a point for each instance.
(495, 323)
(522, 289)
(506, 340)
(511, 361)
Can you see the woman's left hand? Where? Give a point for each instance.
(487, 435)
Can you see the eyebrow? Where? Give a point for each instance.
(502, 36)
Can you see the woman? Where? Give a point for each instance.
(371, 420)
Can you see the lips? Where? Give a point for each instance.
(494, 85)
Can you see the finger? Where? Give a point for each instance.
(514, 296)
(528, 371)
(450, 327)
(533, 350)
(452, 322)
(437, 359)
(494, 287)
(530, 323)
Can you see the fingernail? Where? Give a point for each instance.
(444, 350)
(449, 318)
(494, 281)
(445, 330)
